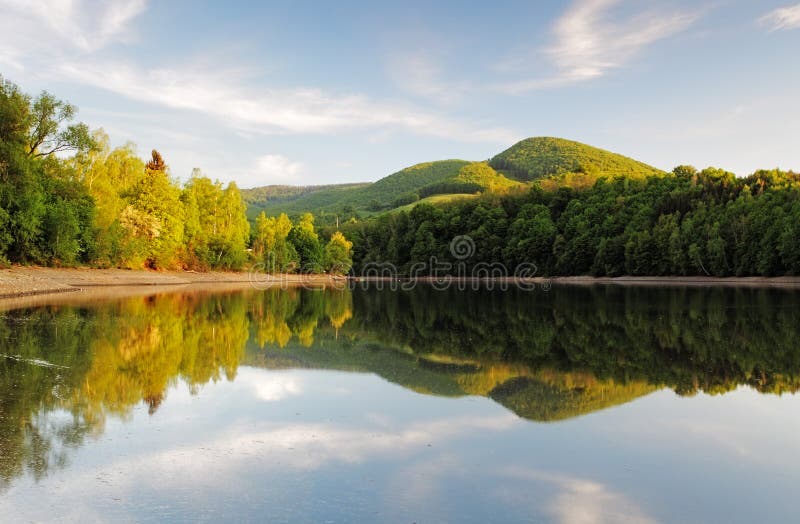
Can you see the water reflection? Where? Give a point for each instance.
(545, 356)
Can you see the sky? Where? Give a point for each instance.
(329, 92)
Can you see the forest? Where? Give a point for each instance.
(688, 222)
(67, 198)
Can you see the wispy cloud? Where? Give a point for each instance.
(228, 97)
(87, 25)
(421, 74)
(593, 38)
(59, 40)
(783, 18)
(293, 446)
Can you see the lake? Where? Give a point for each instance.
(574, 405)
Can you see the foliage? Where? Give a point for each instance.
(706, 223)
(258, 198)
(107, 175)
(43, 213)
(216, 227)
(589, 211)
(346, 201)
(483, 176)
(338, 254)
(48, 134)
(306, 242)
(569, 162)
(101, 206)
(271, 245)
(156, 216)
(541, 157)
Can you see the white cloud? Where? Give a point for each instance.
(300, 446)
(225, 96)
(278, 166)
(578, 500)
(59, 40)
(263, 170)
(589, 42)
(782, 18)
(87, 25)
(274, 386)
(588, 502)
(314, 445)
(268, 447)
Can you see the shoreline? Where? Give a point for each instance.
(22, 286)
(43, 284)
(668, 281)
(675, 281)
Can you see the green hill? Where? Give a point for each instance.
(540, 395)
(530, 159)
(414, 178)
(541, 157)
(546, 402)
(435, 200)
(407, 186)
(279, 197)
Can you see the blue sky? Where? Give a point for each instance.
(312, 92)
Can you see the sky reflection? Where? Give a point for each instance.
(165, 410)
(387, 453)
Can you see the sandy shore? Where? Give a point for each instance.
(22, 286)
(38, 285)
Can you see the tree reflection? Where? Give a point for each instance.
(546, 356)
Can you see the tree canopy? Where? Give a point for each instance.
(68, 198)
(703, 223)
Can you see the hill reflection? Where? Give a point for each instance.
(546, 356)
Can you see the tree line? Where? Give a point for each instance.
(67, 198)
(689, 222)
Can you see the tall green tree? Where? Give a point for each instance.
(216, 227)
(306, 242)
(271, 245)
(108, 175)
(338, 254)
(42, 218)
(156, 215)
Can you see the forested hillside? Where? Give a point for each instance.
(420, 181)
(269, 198)
(550, 160)
(541, 157)
(707, 223)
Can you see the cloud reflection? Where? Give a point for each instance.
(270, 387)
(579, 500)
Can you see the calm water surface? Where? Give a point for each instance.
(575, 405)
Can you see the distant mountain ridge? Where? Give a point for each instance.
(516, 167)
